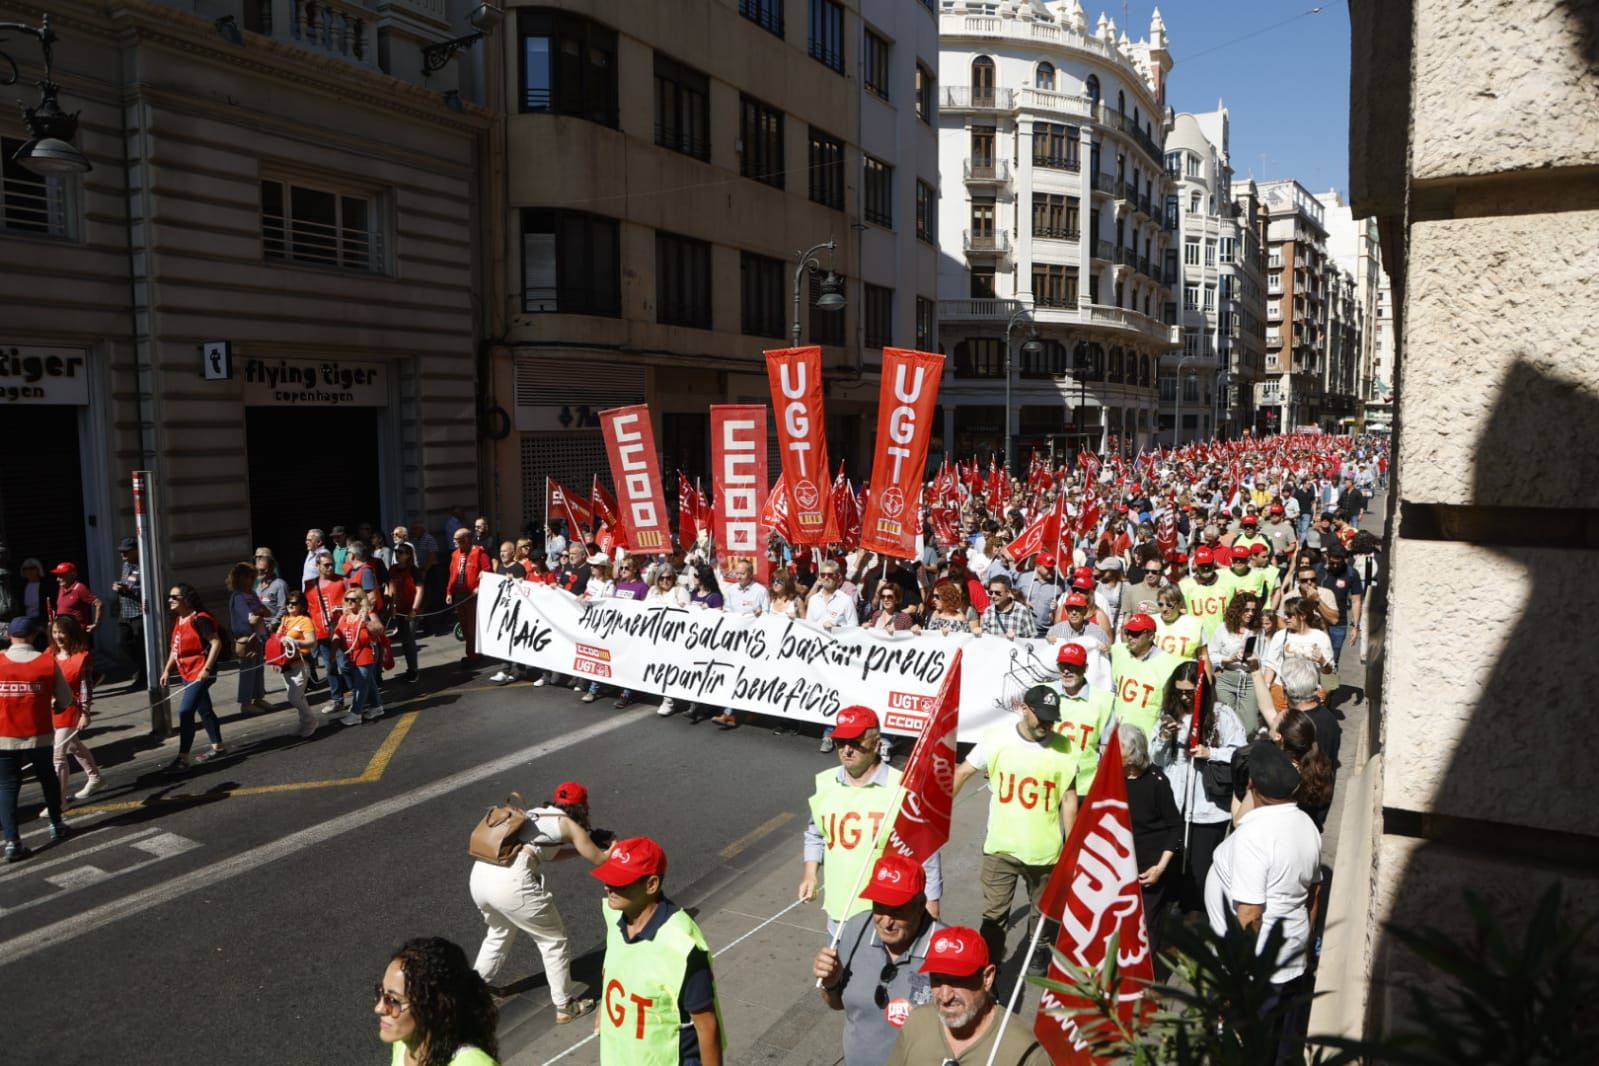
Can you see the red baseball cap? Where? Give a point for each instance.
(1204, 556)
(853, 722)
(1045, 559)
(1275, 508)
(1140, 623)
(957, 951)
(1259, 549)
(1222, 555)
(1072, 655)
(895, 881)
(1076, 599)
(571, 792)
(61, 569)
(957, 557)
(630, 860)
(1251, 520)
(1175, 558)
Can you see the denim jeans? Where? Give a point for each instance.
(11, 760)
(1336, 634)
(197, 699)
(1301, 527)
(252, 677)
(332, 660)
(363, 682)
(405, 629)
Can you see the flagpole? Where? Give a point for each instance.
(1016, 991)
(866, 868)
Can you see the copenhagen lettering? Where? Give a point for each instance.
(310, 376)
(638, 485)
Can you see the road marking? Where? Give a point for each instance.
(78, 854)
(167, 845)
(21, 947)
(161, 847)
(374, 769)
(78, 877)
(775, 822)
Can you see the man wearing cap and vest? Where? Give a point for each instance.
(963, 1021)
(1260, 577)
(1140, 671)
(659, 1005)
(1032, 775)
(892, 938)
(1084, 712)
(849, 814)
(1207, 591)
(1279, 530)
(1247, 537)
(31, 689)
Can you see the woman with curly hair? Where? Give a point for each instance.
(1233, 659)
(434, 1009)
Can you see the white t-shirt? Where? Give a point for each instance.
(1309, 644)
(753, 600)
(836, 611)
(1271, 860)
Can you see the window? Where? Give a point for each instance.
(1210, 297)
(1191, 251)
(1051, 360)
(571, 263)
(1190, 395)
(305, 224)
(980, 357)
(1054, 285)
(682, 281)
(767, 14)
(1193, 203)
(1191, 342)
(1193, 165)
(1210, 251)
(1275, 258)
(982, 146)
(760, 291)
(1171, 266)
(1174, 164)
(1274, 281)
(1055, 146)
(879, 192)
(827, 33)
(1228, 249)
(1055, 216)
(982, 82)
(926, 212)
(983, 219)
(827, 326)
(1091, 88)
(1274, 309)
(760, 136)
(827, 169)
(1190, 297)
(926, 84)
(875, 64)
(682, 108)
(30, 203)
(878, 313)
(1227, 286)
(1044, 77)
(983, 285)
(568, 65)
(924, 323)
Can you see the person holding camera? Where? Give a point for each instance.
(515, 897)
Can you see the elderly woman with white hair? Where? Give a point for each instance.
(1157, 828)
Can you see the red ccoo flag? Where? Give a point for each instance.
(561, 502)
(922, 825)
(688, 529)
(1194, 723)
(1094, 892)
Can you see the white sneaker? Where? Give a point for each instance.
(350, 719)
(90, 787)
(499, 678)
(540, 681)
(372, 716)
(667, 708)
(333, 707)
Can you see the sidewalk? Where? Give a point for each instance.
(762, 948)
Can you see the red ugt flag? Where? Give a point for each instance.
(922, 825)
(688, 528)
(1094, 892)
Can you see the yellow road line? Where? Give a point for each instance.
(374, 770)
(777, 821)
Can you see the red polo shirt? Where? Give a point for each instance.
(78, 601)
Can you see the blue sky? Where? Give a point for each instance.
(1285, 83)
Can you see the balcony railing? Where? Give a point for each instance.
(988, 170)
(1070, 104)
(1000, 310)
(1104, 250)
(1129, 192)
(1125, 256)
(1102, 182)
(1053, 162)
(1143, 205)
(985, 243)
(333, 29)
(967, 98)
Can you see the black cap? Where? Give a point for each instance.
(1271, 772)
(337, 531)
(127, 544)
(1044, 702)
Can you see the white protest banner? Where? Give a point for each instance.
(766, 664)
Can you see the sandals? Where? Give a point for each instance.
(575, 1008)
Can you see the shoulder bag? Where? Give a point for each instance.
(498, 836)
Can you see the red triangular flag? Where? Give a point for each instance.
(922, 825)
(688, 529)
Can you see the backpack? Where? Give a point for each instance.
(498, 836)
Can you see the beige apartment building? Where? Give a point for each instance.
(262, 291)
(663, 167)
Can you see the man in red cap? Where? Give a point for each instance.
(1040, 591)
(963, 1022)
(893, 938)
(1139, 673)
(75, 598)
(1247, 537)
(1084, 710)
(1207, 591)
(1077, 627)
(659, 1003)
(848, 813)
(1279, 531)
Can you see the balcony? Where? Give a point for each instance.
(1000, 310)
(1125, 256)
(985, 245)
(1143, 205)
(1143, 267)
(1104, 183)
(1068, 105)
(1129, 193)
(341, 31)
(966, 98)
(987, 172)
(1104, 250)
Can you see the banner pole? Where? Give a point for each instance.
(1016, 991)
(150, 604)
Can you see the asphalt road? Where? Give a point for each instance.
(239, 917)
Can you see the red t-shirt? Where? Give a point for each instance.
(77, 670)
(78, 601)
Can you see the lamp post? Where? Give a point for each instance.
(1031, 344)
(832, 298)
(49, 149)
(1177, 430)
(485, 19)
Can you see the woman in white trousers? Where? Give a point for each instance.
(515, 897)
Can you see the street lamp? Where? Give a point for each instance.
(1031, 344)
(485, 19)
(832, 298)
(49, 151)
(1177, 430)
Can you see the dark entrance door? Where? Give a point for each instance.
(290, 493)
(41, 489)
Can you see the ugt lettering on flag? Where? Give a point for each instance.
(1094, 893)
(796, 379)
(905, 404)
(922, 825)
